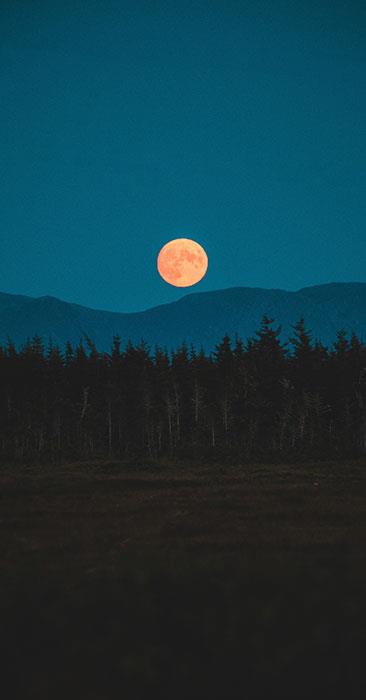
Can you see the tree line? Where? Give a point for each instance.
(259, 399)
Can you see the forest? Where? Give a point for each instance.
(263, 399)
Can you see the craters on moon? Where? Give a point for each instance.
(182, 262)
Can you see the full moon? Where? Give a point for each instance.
(182, 262)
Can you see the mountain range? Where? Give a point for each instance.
(200, 318)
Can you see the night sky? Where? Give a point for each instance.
(127, 123)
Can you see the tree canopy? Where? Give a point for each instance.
(258, 399)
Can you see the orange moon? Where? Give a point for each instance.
(182, 262)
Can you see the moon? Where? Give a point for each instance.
(182, 262)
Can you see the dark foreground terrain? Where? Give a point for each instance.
(178, 583)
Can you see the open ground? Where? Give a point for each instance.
(183, 581)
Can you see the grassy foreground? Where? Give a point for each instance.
(183, 583)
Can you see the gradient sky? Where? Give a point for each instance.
(123, 124)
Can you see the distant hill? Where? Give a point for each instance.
(200, 318)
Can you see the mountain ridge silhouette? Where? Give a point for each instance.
(198, 318)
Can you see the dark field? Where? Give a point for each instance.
(183, 582)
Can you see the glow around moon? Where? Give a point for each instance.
(182, 262)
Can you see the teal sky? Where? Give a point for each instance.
(124, 124)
